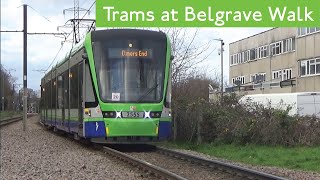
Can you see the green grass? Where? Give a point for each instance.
(296, 158)
(8, 114)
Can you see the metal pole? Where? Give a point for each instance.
(25, 93)
(222, 43)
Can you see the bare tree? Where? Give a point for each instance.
(188, 49)
(188, 96)
(6, 89)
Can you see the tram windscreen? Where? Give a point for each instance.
(130, 70)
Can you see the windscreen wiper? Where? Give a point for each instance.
(148, 92)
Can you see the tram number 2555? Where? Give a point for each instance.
(132, 114)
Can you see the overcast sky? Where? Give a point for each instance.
(47, 15)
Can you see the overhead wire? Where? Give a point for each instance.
(46, 18)
(68, 37)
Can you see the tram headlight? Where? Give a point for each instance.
(118, 114)
(147, 114)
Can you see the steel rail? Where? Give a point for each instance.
(142, 164)
(233, 169)
(10, 120)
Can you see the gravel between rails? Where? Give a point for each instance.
(183, 168)
(282, 172)
(39, 154)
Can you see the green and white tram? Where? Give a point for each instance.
(114, 86)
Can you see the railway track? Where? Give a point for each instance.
(237, 171)
(163, 163)
(10, 120)
(156, 171)
(147, 168)
(169, 164)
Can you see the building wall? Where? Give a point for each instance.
(306, 47)
(287, 89)
(309, 48)
(264, 65)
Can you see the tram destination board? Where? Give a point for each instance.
(130, 53)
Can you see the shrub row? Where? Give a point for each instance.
(232, 122)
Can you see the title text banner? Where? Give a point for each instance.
(207, 13)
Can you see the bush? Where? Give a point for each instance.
(237, 123)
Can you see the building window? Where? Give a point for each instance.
(276, 48)
(307, 30)
(293, 44)
(310, 67)
(252, 54)
(277, 74)
(241, 79)
(286, 45)
(263, 52)
(231, 59)
(303, 68)
(258, 77)
(289, 45)
(247, 55)
(287, 74)
(234, 59)
(317, 66)
(282, 74)
(238, 80)
(239, 58)
(242, 57)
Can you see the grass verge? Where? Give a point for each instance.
(8, 114)
(296, 158)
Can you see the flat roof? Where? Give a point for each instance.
(253, 35)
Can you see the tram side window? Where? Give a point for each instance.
(44, 96)
(46, 92)
(49, 95)
(54, 93)
(89, 96)
(66, 89)
(74, 92)
(46, 89)
(60, 92)
(41, 96)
